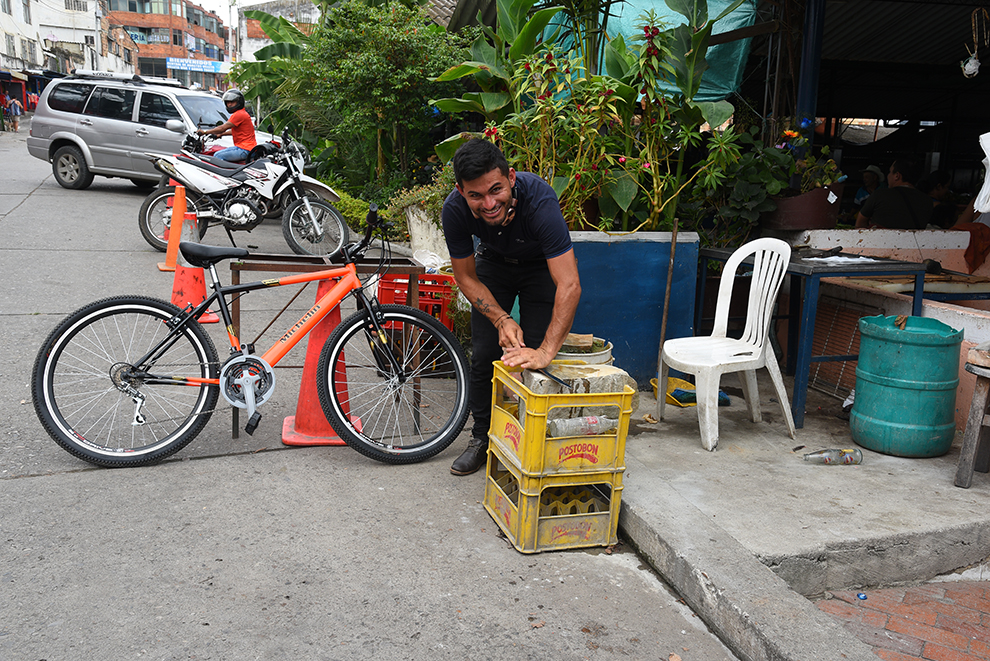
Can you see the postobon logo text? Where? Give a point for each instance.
(514, 434)
(579, 531)
(579, 450)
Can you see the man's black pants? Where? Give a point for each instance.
(531, 282)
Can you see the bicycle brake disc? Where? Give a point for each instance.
(239, 366)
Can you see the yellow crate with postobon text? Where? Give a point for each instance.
(551, 513)
(519, 428)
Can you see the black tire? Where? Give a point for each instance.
(70, 169)
(297, 228)
(156, 215)
(84, 410)
(395, 419)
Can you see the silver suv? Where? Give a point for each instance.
(102, 123)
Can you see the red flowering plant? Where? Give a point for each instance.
(562, 132)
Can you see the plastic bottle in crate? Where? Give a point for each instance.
(587, 426)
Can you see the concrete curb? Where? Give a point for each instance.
(753, 611)
(883, 560)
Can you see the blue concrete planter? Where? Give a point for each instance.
(622, 286)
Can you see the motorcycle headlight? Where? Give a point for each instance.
(304, 154)
(300, 156)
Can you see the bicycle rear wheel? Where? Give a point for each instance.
(394, 416)
(87, 392)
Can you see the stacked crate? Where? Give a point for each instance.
(435, 293)
(550, 493)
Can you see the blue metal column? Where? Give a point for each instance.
(811, 56)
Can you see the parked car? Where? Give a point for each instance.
(101, 123)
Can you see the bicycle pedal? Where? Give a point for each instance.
(253, 423)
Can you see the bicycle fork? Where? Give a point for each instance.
(383, 353)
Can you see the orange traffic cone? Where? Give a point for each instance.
(178, 204)
(189, 283)
(309, 426)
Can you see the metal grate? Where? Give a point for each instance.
(837, 333)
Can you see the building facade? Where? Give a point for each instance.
(302, 13)
(175, 39)
(43, 39)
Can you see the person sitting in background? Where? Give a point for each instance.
(936, 186)
(900, 206)
(872, 176)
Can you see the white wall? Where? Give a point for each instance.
(295, 11)
(49, 20)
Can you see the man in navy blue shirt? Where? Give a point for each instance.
(524, 252)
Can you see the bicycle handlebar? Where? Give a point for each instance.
(353, 251)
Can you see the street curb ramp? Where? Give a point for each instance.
(749, 607)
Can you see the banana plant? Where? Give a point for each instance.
(495, 56)
(276, 63)
(688, 48)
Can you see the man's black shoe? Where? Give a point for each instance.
(472, 459)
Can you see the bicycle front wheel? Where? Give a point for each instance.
(394, 415)
(100, 406)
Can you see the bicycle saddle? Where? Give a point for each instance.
(203, 256)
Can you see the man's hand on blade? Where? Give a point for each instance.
(530, 359)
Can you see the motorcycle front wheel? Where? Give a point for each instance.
(323, 233)
(156, 216)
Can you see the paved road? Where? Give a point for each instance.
(245, 549)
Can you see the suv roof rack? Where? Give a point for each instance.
(126, 77)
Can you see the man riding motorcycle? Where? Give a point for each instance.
(239, 125)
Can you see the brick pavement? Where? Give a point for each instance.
(935, 621)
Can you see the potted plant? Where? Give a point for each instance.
(726, 210)
(814, 202)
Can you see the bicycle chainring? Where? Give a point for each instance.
(239, 366)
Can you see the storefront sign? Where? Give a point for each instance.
(184, 64)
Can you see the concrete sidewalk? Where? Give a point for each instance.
(212, 539)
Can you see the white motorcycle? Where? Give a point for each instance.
(240, 196)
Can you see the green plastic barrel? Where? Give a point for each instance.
(906, 386)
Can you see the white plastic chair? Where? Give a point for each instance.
(707, 358)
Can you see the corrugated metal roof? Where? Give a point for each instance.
(904, 32)
(441, 11)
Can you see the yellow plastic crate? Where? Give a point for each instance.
(519, 428)
(561, 512)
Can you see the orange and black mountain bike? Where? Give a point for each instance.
(130, 380)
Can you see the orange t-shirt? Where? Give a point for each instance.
(243, 131)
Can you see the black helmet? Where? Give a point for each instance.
(235, 96)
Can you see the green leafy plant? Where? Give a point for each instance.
(495, 57)
(725, 210)
(618, 139)
(429, 197)
(815, 171)
(373, 68)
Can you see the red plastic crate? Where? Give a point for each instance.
(435, 293)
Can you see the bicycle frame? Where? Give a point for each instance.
(348, 282)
